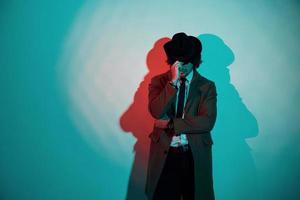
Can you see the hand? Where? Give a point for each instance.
(175, 72)
(161, 123)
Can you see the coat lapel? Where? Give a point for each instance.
(194, 91)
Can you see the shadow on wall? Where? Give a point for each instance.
(234, 168)
(137, 120)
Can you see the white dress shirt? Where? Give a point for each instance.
(182, 139)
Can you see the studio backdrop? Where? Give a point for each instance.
(74, 79)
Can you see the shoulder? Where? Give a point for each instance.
(204, 81)
(161, 78)
(206, 84)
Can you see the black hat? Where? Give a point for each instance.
(183, 47)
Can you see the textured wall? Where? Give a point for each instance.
(74, 77)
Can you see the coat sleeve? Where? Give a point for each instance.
(204, 121)
(160, 97)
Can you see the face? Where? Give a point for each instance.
(184, 68)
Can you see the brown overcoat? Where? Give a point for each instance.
(199, 118)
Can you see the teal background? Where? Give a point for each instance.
(44, 154)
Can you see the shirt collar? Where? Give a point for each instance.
(190, 76)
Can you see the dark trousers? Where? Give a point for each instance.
(177, 178)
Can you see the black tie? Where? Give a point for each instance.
(181, 98)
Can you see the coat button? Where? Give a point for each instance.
(165, 152)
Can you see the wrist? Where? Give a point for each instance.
(173, 83)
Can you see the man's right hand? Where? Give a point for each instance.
(175, 72)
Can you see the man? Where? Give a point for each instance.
(184, 105)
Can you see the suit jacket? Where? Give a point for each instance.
(200, 114)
